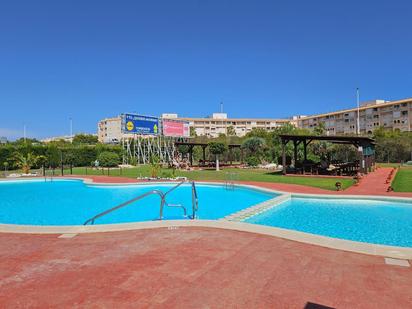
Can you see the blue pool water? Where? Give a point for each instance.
(371, 221)
(71, 202)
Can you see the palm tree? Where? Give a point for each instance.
(25, 162)
(154, 166)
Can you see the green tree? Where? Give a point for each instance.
(6, 166)
(88, 139)
(84, 155)
(41, 160)
(108, 159)
(53, 155)
(254, 144)
(320, 129)
(217, 148)
(230, 131)
(25, 162)
(193, 132)
(255, 147)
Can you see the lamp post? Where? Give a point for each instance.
(358, 120)
(71, 129)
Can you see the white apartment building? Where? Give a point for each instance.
(219, 123)
(109, 129)
(390, 115)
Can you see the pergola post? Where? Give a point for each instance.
(305, 154)
(284, 156)
(295, 152)
(204, 153)
(191, 155)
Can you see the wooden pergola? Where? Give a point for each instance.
(191, 145)
(364, 145)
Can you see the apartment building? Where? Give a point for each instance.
(109, 129)
(390, 115)
(219, 123)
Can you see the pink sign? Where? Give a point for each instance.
(175, 128)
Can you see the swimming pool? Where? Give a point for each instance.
(365, 220)
(72, 202)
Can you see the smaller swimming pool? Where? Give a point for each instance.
(371, 221)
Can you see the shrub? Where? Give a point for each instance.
(252, 161)
(108, 159)
(154, 166)
(84, 155)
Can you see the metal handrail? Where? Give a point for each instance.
(175, 187)
(195, 202)
(158, 192)
(164, 200)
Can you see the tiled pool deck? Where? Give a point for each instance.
(191, 268)
(194, 267)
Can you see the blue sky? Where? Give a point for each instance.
(93, 59)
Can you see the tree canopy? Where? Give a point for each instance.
(217, 148)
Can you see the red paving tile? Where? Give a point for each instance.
(371, 184)
(197, 268)
(191, 268)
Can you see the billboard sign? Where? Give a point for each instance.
(138, 124)
(175, 128)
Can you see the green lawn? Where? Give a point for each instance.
(403, 180)
(242, 174)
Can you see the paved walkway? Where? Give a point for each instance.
(371, 184)
(191, 268)
(375, 184)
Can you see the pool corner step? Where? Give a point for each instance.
(257, 209)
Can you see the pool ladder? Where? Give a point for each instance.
(163, 203)
(230, 179)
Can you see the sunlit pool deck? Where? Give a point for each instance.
(187, 264)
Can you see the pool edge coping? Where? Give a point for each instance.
(293, 235)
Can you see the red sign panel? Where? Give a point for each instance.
(175, 128)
